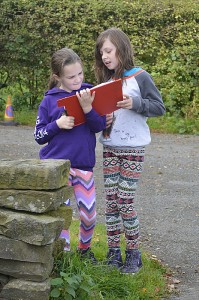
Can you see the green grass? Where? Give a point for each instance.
(174, 125)
(83, 280)
(164, 124)
(27, 118)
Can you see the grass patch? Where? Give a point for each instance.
(174, 125)
(164, 124)
(27, 117)
(76, 279)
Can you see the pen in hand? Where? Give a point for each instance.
(65, 113)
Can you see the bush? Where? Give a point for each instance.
(162, 32)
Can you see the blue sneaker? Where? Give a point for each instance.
(114, 258)
(133, 262)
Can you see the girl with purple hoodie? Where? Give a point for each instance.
(63, 140)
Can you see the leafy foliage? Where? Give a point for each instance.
(163, 34)
(72, 286)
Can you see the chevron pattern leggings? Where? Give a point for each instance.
(122, 169)
(85, 195)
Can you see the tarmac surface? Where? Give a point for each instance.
(167, 199)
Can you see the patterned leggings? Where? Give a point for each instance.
(85, 195)
(122, 169)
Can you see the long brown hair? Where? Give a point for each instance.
(59, 60)
(124, 52)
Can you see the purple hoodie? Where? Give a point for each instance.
(77, 144)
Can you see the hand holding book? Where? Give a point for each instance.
(105, 101)
(85, 100)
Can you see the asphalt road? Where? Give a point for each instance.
(167, 199)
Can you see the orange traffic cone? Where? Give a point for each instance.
(9, 115)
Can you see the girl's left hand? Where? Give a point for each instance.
(85, 99)
(127, 102)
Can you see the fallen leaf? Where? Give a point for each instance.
(175, 280)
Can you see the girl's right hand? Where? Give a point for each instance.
(65, 122)
(85, 100)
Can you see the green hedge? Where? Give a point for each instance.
(163, 34)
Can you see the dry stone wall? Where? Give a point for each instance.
(32, 215)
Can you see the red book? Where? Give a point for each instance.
(106, 97)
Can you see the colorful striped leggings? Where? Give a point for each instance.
(85, 195)
(122, 169)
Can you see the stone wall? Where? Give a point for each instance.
(32, 193)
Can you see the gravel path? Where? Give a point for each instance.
(167, 199)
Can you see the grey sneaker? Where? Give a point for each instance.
(133, 262)
(87, 254)
(114, 258)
